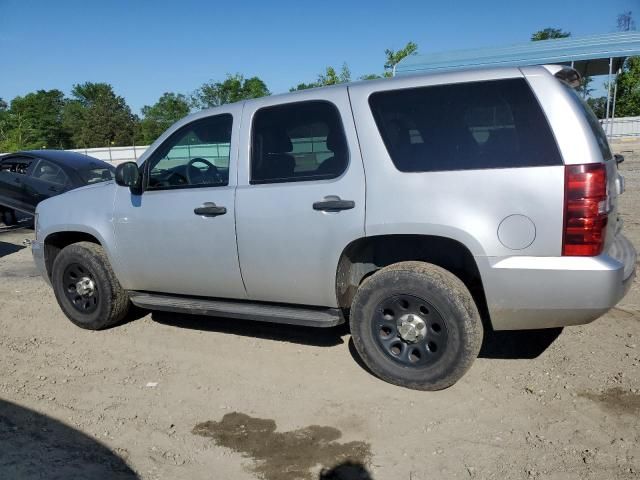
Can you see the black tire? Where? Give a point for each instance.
(440, 322)
(8, 217)
(109, 303)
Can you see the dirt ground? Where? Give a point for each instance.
(168, 397)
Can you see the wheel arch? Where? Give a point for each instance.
(54, 242)
(366, 255)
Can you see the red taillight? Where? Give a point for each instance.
(585, 209)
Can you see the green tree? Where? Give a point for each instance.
(628, 95)
(599, 106)
(97, 117)
(165, 112)
(329, 77)
(233, 89)
(394, 57)
(585, 88)
(625, 22)
(34, 121)
(548, 34)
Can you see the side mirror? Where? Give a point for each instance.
(619, 158)
(128, 175)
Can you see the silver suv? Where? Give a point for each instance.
(422, 210)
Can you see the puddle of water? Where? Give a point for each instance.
(288, 455)
(616, 400)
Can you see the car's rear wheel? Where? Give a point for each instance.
(8, 216)
(86, 288)
(416, 325)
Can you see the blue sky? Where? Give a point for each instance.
(144, 48)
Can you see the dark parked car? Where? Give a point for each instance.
(27, 178)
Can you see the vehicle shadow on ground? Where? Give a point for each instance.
(517, 344)
(9, 248)
(346, 471)
(36, 446)
(522, 344)
(318, 337)
(506, 345)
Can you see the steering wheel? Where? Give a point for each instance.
(194, 175)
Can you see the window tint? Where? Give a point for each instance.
(495, 124)
(594, 124)
(196, 155)
(16, 165)
(298, 142)
(48, 172)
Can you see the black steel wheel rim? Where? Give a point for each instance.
(406, 350)
(85, 301)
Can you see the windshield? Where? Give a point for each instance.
(95, 175)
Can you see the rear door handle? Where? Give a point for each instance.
(334, 205)
(210, 209)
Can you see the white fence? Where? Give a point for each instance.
(622, 127)
(114, 155)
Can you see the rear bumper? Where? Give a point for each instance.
(546, 292)
(37, 250)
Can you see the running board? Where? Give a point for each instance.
(265, 312)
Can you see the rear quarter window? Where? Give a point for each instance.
(592, 120)
(475, 125)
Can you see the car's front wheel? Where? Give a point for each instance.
(416, 325)
(86, 288)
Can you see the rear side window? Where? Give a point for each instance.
(594, 124)
(48, 172)
(298, 142)
(493, 124)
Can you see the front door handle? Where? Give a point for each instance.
(210, 209)
(334, 205)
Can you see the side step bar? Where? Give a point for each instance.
(266, 312)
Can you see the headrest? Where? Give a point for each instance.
(276, 141)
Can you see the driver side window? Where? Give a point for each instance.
(196, 155)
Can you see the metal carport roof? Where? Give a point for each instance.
(589, 55)
(594, 55)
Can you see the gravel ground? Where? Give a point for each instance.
(169, 396)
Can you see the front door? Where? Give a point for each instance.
(300, 198)
(13, 173)
(179, 236)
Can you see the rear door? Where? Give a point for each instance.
(300, 197)
(45, 179)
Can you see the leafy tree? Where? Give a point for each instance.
(599, 106)
(329, 77)
(394, 57)
(233, 89)
(585, 88)
(548, 34)
(625, 22)
(34, 121)
(165, 112)
(628, 95)
(97, 117)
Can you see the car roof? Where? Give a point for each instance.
(65, 158)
